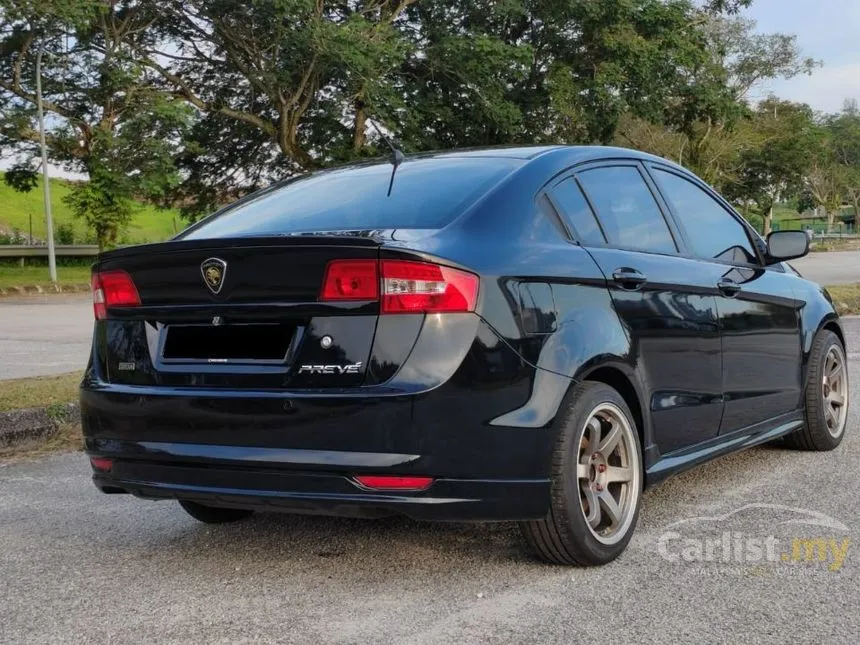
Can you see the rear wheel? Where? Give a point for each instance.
(826, 394)
(212, 514)
(596, 484)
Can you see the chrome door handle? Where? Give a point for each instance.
(729, 288)
(629, 279)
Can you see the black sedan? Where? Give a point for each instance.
(530, 334)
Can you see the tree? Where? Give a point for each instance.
(844, 137)
(783, 137)
(824, 181)
(105, 116)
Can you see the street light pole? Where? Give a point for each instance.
(49, 224)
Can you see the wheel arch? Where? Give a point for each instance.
(622, 378)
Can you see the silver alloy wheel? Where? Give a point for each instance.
(834, 390)
(609, 473)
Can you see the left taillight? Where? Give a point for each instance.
(112, 289)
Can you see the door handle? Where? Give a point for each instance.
(629, 279)
(729, 288)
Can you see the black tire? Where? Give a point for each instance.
(564, 536)
(212, 514)
(816, 434)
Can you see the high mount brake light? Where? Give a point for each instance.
(404, 286)
(113, 289)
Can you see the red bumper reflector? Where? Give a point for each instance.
(393, 482)
(102, 464)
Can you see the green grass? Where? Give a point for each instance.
(846, 298)
(18, 210)
(15, 276)
(39, 392)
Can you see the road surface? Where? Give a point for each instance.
(51, 334)
(834, 267)
(80, 567)
(41, 335)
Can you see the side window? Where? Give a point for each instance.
(569, 198)
(713, 232)
(627, 210)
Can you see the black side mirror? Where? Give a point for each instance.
(786, 245)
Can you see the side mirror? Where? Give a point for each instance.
(786, 245)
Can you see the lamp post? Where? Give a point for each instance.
(46, 187)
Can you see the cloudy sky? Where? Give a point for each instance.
(827, 30)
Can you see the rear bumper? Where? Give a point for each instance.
(326, 493)
(300, 454)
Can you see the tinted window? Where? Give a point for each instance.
(427, 193)
(627, 210)
(569, 198)
(712, 230)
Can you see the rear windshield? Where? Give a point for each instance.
(428, 193)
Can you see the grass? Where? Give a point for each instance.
(68, 438)
(846, 298)
(17, 276)
(39, 392)
(19, 210)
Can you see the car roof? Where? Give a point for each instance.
(575, 154)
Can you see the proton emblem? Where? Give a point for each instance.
(214, 270)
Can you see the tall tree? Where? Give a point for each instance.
(783, 138)
(845, 139)
(104, 115)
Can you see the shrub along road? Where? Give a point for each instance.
(78, 566)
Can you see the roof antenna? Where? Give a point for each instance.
(397, 157)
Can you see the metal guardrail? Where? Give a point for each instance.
(61, 250)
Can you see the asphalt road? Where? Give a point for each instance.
(835, 267)
(44, 335)
(77, 566)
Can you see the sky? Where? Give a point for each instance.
(826, 30)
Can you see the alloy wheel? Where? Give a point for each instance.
(609, 473)
(834, 390)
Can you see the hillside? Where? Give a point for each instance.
(149, 224)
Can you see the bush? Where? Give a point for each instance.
(65, 234)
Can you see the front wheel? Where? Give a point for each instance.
(212, 514)
(826, 396)
(596, 481)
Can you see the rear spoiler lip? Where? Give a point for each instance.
(363, 239)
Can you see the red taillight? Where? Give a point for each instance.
(421, 287)
(351, 280)
(102, 464)
(405, 286)
(394, 482)
(113, 289)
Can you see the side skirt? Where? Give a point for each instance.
(686, 458)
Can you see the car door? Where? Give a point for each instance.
(668, 309)
(758, 312)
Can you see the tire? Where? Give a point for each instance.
(581, 472)
(212, 514)
(826, 384)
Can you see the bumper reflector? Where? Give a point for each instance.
(393, 482)
(102, 464)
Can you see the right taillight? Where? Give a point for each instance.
(402, 286)
(112, 289)
(421, 287)
(351, 280)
